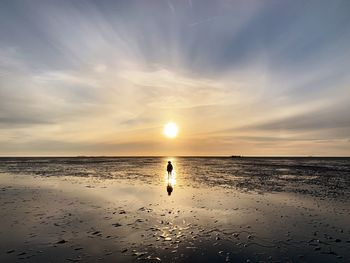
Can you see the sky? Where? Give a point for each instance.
(253, 78)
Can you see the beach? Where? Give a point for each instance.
(209, 210)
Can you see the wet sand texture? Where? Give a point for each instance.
(125, 217)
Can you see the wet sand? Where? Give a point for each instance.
(89, 219)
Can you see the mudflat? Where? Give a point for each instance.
(210, 209)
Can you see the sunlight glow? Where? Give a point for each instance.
(170, 180)
(170, 130)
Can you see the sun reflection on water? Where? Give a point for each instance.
(170, 179)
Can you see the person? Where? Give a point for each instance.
(169, 168)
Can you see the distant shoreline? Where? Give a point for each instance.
(160, 156)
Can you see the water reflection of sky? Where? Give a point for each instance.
(256, 174)
(198, 222)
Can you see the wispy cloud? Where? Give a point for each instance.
(102, 77)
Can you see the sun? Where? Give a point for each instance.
(170, 130)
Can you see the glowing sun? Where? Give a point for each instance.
(170, 130)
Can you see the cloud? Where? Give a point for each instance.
(255, 77)
(318, 120)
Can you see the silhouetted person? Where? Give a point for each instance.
(169, 188)
(169, 168)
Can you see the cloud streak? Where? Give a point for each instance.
(103, 77)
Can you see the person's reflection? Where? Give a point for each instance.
(169, 188)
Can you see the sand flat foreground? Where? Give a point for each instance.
(72, 219)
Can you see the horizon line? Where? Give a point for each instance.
(172, 156)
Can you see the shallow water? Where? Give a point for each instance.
(331, 176)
